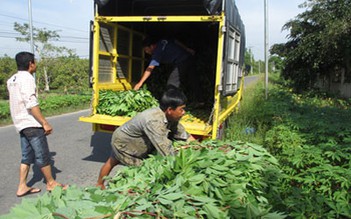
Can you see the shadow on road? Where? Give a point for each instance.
(38, 175)
(101, 144)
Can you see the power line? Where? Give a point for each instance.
(4, 15)
(85, 41)
(8, 32)
(49, 24)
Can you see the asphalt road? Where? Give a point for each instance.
(77, 155)
(76, 151)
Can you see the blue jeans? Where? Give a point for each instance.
(34, 146)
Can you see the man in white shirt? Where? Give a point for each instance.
(30, 123)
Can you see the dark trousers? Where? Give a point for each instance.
(184, 76)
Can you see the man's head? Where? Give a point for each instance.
(173, 103)
(149, 45)
(25, 62)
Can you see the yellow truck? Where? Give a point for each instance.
(213, 28)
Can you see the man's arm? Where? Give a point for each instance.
(157, 133)
(36, 112)
(145, 76)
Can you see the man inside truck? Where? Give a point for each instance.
(175, 53)
(149, 131)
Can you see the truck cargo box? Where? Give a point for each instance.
(213, 28)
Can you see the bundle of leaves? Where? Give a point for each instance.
(125, 103)
(208, 180)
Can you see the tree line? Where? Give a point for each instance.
(58, 68)
(318, 47)
(67, 74)
(319, 44)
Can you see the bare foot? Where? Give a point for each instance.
(101, 186)
(51, 186)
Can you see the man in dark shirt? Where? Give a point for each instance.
(168, 52)
(149, 131)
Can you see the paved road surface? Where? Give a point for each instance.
(77, 155)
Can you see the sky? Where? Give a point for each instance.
(279, 13)
(70, 18)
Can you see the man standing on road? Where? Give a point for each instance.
(30, 123)
(149, 131)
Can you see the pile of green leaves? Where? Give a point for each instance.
(125, 103)
(208, 180)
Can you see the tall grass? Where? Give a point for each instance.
(245, 125)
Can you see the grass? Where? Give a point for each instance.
(243, 125)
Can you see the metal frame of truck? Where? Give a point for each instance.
(114, 64)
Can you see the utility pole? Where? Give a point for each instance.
(259, 66)
(31, 35)
(30, 25)
(251, 60)
(252, 65)
(266, 46)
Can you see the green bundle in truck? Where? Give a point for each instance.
(213, 28)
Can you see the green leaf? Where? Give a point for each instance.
(165, 201)
(172, 196)
(196, 179)
(212, 211)
(203, 199)
(68, 212)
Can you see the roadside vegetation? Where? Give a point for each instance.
(51, 104)
(310, 136)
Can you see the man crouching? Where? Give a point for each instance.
(149, 131)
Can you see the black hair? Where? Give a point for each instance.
(149, 40)
(23, 59)
(172, 97)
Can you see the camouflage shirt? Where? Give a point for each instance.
(146, 132)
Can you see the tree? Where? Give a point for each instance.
(7, 68)
(319, 42)
(249, 61)
(47, 52)
(70, 74)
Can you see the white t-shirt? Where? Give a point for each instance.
(21, 87)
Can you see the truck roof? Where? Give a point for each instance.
(158, 7)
